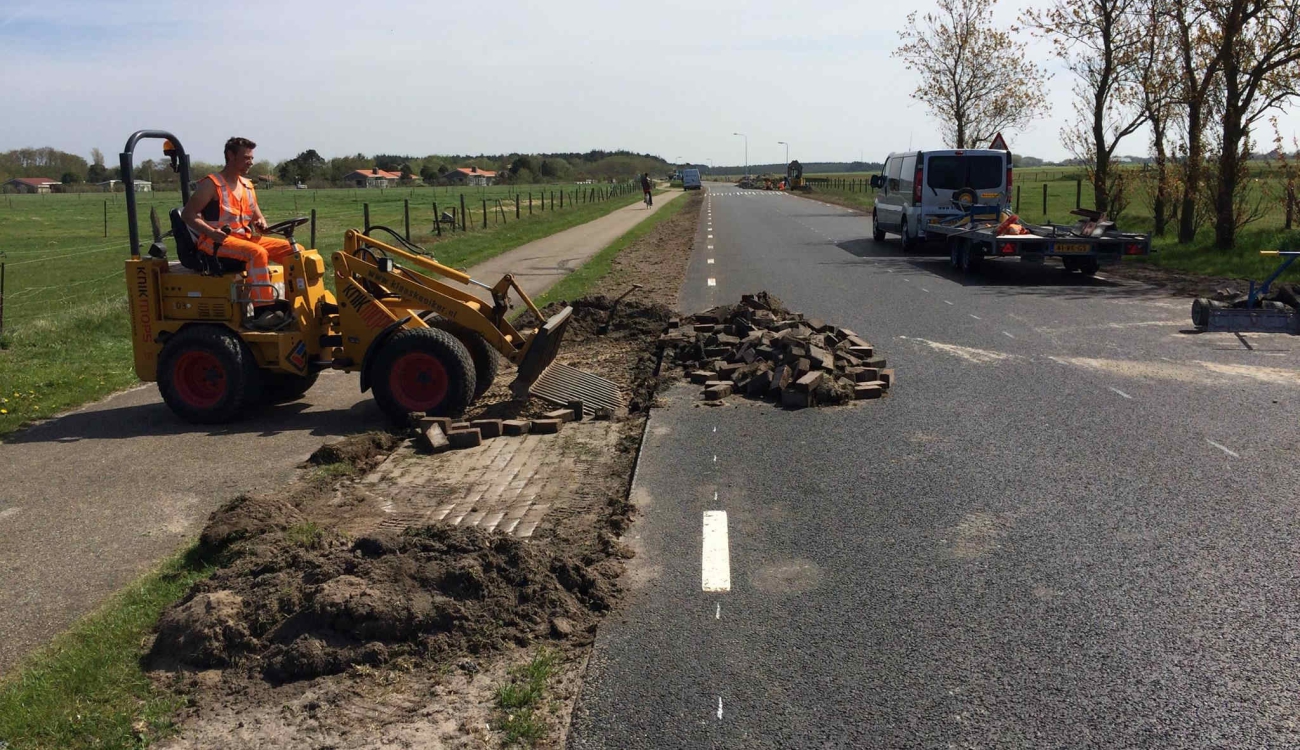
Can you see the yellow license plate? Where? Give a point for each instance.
(1071, 247)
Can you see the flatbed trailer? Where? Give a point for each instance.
(970, 244)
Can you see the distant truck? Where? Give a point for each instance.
(691, 179)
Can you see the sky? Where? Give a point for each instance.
(675, 78)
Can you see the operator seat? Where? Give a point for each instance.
(192, 257)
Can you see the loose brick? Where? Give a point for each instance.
(705, 327)
(458, 426)
(887, 377)
(876, 362)
(782, 376)
(488, 428)
(516, 427)
(699, 377)
(547, 426)
(759, 384)
(717, 392)
(564, 415)
(443, 423)
(867, 390)
(715, 383)
(869, 374)
(792, 398)
(802, 367)
(810, 381)
(862, 352)
(469, 438)
(603, 413)
(433, 439)
(579, 411)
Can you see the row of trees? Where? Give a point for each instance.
(1201, 76)
(310, 166)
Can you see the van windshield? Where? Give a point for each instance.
(952, 172)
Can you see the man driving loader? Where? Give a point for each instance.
(225, 221)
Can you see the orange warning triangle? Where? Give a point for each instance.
(999, 143)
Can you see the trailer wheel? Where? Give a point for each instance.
(970, 258)
(486, 361)
(423, 370)
(877, 233)
(206, 375)
(954, 252)
(1088, 266)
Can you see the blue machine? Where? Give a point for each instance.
(1258, 315)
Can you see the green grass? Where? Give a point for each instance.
(66, 337)
(519, 699)
(87, 689)
(588, 274)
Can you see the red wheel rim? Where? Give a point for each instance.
(200, 379)
(418, 381)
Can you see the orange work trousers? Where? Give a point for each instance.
(257, 255)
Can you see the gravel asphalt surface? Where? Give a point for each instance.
(1069, 525)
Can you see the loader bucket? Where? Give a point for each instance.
(539, 374)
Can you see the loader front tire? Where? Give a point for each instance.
(485, 358)
(423, 370)
(206, 375)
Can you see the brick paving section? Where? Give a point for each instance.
(508, 483)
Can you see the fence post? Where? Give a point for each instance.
(313, 229)
(462, 212)
(1018, 197)
(105, 218)
(2, 296)
(437, 220)
(365, 213)
(1044, 200)
(561, 199)
(516, 205)
(406, 217)
(530, 203)
(1078, 193)
(485, 213)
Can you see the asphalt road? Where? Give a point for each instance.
(1070, 525)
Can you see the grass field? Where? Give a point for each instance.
(66, 334)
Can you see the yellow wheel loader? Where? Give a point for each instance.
(420, 340)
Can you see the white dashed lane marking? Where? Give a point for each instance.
(946, 302)
(1004, 333)
(975, 316)
(715, 560)
(710, 261)
(1122, 393)
(713, 282)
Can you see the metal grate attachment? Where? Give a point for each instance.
(561, 384)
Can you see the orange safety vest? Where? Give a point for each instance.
(232, 208)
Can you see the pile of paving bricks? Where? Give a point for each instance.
(761, 350)
(438, 434)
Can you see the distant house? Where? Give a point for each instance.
(113, 186)
(368, 178)
(470, 176)
(31, 184)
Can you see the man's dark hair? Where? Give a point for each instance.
(234, 144)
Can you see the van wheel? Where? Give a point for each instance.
(908, 243)
(877, 233)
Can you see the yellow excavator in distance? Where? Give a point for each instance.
(420, 343)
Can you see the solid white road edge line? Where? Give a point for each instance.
(1223, 448)
(719, 708)
(1004, 333)
(715, 561)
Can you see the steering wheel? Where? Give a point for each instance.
(281, 227)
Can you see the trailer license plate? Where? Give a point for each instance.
(1071, 247)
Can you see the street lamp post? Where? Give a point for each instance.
(742, 135)
(787, 150)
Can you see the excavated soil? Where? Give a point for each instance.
(306, 636)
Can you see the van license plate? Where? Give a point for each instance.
(1071, 247)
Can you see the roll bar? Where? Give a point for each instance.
(180, 163)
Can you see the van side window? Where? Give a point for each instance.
(908, 178)
(892, 170)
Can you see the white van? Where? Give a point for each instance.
(691, 179)
(916, 188)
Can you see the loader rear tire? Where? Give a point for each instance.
(486, 359)
(283, 387)
(423, 370)
(206, 375)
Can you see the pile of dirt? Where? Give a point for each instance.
(760, 349)
(296, 602)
